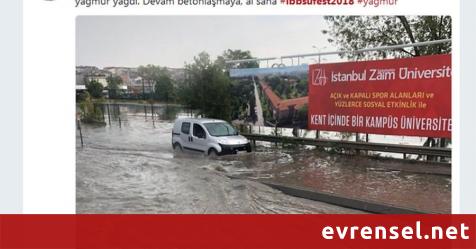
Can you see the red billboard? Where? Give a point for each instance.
(410, 96)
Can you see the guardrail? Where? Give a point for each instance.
(354, 203)
(334, 199)
(366, 146)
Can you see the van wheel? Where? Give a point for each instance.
(212, 153)
(177, 148)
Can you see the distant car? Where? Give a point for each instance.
(212, 137)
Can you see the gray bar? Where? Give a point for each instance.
(392, 47)
(468, 118)
(249, 60)
(11, 107)
(247, 72)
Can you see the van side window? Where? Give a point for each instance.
(185, 128)
(198, 131)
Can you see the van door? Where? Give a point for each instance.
(185, 134)
(199, 138)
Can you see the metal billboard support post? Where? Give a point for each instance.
(108, 114)
(80, 132)
(357, 139)
(152, 113)
(119, 116)
(145, 112)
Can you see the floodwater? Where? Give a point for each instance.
(129, 167)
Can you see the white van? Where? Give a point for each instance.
(209, 136)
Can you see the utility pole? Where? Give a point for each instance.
(143, 88)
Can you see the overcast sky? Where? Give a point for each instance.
(173, 40)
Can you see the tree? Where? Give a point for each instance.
(237, 54)
(207, 88)
(95, 89)
(150, 74)
(113, 83)
(358, 32)
(164, 88)
(242, 92)
(159, 78)
(301, 115)
(89, 112)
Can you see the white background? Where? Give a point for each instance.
(49, 85)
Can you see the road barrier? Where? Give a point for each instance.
(330, 198)
(364, 205)
(366, 146)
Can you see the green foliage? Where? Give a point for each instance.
(237, 54)
(267, 114)
(359, 32)
(302, 87)
(81, 96)
(207, 88)
(288, 87)
(150, 72)
(242, 90)
(89, 112)
(95, 89)
(164, 88)
(113, 83)
(301, 114)
(242, 95)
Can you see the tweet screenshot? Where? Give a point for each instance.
(238, 124)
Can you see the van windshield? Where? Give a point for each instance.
(220, 129)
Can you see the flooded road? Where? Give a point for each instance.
(129, 167)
